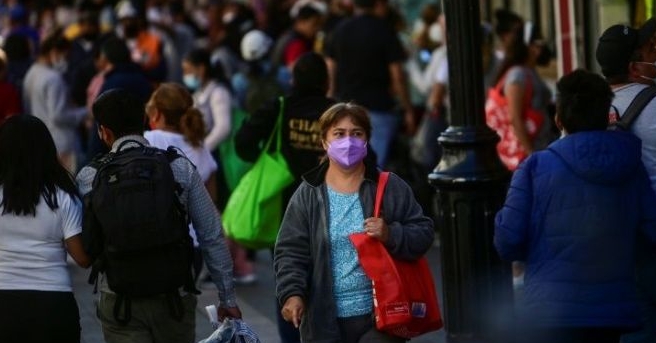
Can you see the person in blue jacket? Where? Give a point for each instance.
(573, 213)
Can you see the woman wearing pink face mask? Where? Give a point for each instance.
(319, 280)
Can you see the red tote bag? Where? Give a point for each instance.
(405, 303)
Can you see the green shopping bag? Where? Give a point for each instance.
(233, 166)
(254, 211)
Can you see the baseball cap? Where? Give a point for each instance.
(255, 45)
(617, 45)
(316, 5)
(125, 9)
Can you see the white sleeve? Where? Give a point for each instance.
(221, 106)
(70, 210)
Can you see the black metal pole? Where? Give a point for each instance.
(471, 184)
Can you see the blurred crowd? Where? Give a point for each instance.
(77, 49)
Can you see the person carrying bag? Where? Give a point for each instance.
(254, 210)
(404, 291)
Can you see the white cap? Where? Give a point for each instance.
(318, 6)
(254, 45)
(125, 9)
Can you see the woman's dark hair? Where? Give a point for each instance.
(506, 21)
(582, 101)
(310, 75)
(17, 47)
(116, 51)
(55, 41)
(518, 53)
(29, 167)
(201, 57)
(337, 112)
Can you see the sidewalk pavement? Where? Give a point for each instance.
(256, 302)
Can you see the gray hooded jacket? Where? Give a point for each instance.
(302, 253)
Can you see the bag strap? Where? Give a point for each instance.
(380, 190)
(635, 108)
(277, 128)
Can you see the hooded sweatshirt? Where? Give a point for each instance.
(572, 213)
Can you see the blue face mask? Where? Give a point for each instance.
(191, 81)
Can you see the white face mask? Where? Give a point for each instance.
(652, 79)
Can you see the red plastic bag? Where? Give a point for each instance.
(404, 292)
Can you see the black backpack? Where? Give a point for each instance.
(135, 228)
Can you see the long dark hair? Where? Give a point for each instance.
(29, 168)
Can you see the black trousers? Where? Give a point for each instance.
(38, 317)
(361, 329)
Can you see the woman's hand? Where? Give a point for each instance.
(377, 228)
(293, 310)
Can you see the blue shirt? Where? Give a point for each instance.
(351, 286)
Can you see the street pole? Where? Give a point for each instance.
(471, 185)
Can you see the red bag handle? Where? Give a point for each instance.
(382, 182)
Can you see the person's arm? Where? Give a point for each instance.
(411, 233)
(514, 92)
(221, 106)
(254, 132)
(75, 248)
(56, 98)
(512, 222)
(71, 214)
(207, 224)
(401, 90)
(210, 185)
(292, 254)
(332, 70)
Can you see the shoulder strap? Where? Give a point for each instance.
(123, 143)
(635, 108)
(276, 132)
(380, 190)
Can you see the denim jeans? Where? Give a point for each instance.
(384, 127)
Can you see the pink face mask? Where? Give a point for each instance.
(347, 151)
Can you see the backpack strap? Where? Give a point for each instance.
(635, 108)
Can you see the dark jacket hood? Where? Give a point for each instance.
(603, 157)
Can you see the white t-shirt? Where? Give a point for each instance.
(199, 156)
(214, 102)
(644, 126)
(32, 253)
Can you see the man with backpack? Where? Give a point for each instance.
(628, 61)
(138, 202)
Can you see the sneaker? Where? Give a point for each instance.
(245, 279)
